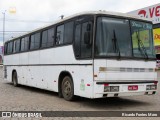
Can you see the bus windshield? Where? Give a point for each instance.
(123, 38)
(142, 39)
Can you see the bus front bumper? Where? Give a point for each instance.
(106, 89)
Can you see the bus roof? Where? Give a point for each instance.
(101, 12)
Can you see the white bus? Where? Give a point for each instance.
(93, 55)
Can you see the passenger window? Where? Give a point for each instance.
(68, 32)
(44, 39)
(5, 48)
(14, 46)
(26, 43)
(47, 38)
(35, 41)
(50, 37)
(22, 44)
(60, 34)
(10, 48)
(32, 42)
(17, 45)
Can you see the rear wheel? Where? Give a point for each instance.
(15, 79)
(67, 88)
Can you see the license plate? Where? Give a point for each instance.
(133, 87)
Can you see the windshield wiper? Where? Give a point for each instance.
(115, 44)
(141, 46)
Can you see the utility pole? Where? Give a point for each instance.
(4, 15)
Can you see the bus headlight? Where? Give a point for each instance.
(111, 88)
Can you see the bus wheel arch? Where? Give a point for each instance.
(65, 75)
(14, 78)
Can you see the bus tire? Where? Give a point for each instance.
(67, 88)
(15, 79)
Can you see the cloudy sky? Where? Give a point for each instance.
(32, 14)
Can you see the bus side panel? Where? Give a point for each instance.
(9, 73)
(34, 57)
(9, 61)
(23, 58)
(42, 68)
(50, 76)
(83, 79)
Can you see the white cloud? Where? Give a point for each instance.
(50, 10)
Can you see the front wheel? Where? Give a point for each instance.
(67, 88)
(15, 79)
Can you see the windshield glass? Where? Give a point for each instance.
(113, 37)
(142, 39)
(123, 38)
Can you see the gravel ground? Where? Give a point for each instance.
(25, 98)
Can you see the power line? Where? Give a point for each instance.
(15, 31)
(32, 21)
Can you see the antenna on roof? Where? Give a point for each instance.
(62, 16)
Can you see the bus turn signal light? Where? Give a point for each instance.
(155, 82)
